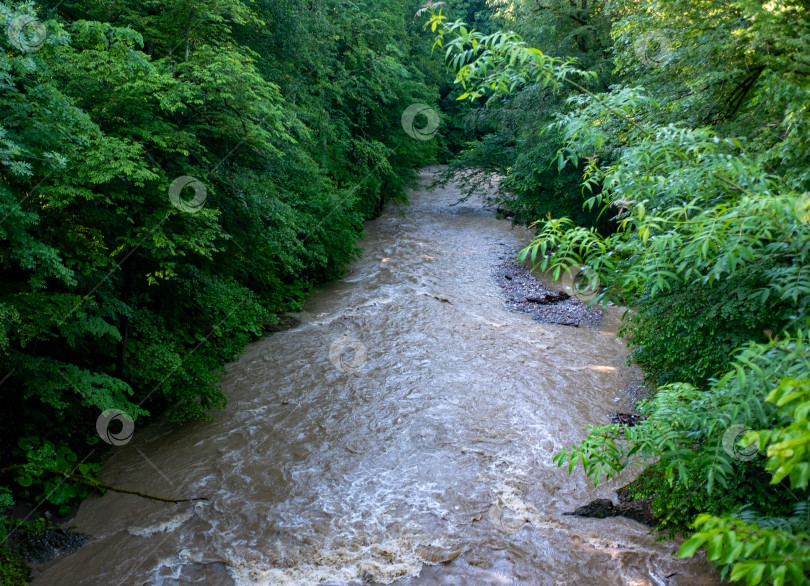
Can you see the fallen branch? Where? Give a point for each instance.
(98, 484)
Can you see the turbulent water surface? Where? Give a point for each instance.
(409, 420)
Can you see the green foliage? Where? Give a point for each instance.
(686, 428)
(755, 552)
(510, 136)
(669, 332)
(13, 570)
(693, 156)
(787, 446)
(691, 434)
(676, 505)
(42, 477)
(112, 296)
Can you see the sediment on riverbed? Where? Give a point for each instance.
(526, 294)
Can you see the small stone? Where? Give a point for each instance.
(597, 509)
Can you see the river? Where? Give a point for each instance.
(408, 419)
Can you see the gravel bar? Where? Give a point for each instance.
(551, 306)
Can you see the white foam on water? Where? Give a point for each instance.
(360, 277)
(382, 562)
(163, 526)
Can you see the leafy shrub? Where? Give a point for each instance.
(676, 505)
(669, 332)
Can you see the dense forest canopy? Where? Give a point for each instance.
(177, 175)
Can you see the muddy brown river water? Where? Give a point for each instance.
(408, 420)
